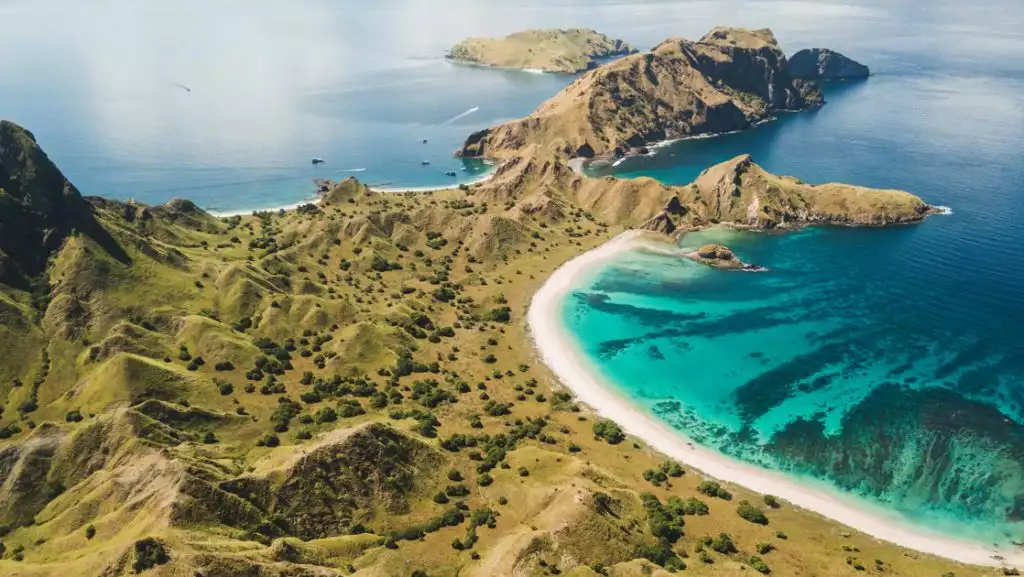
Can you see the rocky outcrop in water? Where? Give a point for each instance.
(565, 51)
(728, 80)
(824, 64)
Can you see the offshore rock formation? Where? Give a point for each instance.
(824, 64)
(565, 51)
(717, 256)
(729, 80)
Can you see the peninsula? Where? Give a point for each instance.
(729, 80)
(562, 51)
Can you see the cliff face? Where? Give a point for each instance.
(727, 81)
(566, 51)
(824, 64)
(39, 208)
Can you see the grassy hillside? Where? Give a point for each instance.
(350, 388)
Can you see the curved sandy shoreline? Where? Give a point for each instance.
(557, 350)
(315, 199)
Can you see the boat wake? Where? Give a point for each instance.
(355, 170)
(460, 116)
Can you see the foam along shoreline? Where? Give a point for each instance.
(471, 64)
(557, 350)
(316, 199)
(579, 164)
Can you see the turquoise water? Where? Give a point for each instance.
(888, 363)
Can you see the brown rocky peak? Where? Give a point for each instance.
(741, 38)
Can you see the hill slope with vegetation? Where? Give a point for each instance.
(350, 388)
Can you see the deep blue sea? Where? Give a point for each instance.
(887, 362)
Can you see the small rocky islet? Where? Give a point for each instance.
(825, 65)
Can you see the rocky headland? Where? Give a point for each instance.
(729, 80)
(562, 51)
(824, 64)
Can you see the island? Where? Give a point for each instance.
(554, 50)
(352, 386)
(825, 64)
(731, 79)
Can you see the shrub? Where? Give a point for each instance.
(350, 408)
(772, 501)
(758, 565)
(454, 475)
(765, 548)
(224, 366)
(148, 554)
(609, 431)
(671, 468)
(90, 532)
(73, 416)
(723, 544)
(713, 489)
(225, 388)
(484, 480)
(326, 415)
(456, 490)
(751, 513)
(689, 506)
(440, 498)
(524, 472)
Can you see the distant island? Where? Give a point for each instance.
(554, 50)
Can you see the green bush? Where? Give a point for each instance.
(758, 565)
(148, 554)
(723, 544)
(609, 431)
(713, 489)
(751, 513)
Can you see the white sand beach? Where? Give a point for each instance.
(558, 350)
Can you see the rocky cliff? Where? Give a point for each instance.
(824, 64)
(729, 80)
(39, 208)
(566, 51)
